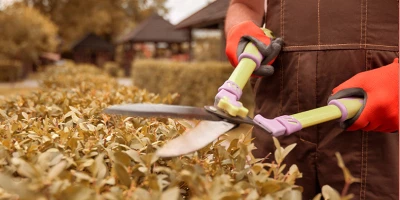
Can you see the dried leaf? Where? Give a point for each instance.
(329, 193)
(100, 169)
(123, 158)
(293, 174)
(287, 150)
(141, 193)
(58, 143)
(317, 197)
(346, 172)
(78, 192)
(292, 195)
(122, 174)
(134, 155)
(20, 188)
(278, 151)
(25, 169)
(81, 176)
(56, 170)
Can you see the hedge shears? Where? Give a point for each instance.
(215, 122)
(218, 119)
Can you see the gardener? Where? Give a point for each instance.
(327, 47)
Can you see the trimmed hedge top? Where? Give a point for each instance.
(57, 144)
(196, 82)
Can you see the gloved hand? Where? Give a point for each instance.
(240, 34)
(262, 50)
(380, 90)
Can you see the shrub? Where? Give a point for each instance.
(57, 144)
(26, 32)
(10, 70)
(113, 69)
(196, 82)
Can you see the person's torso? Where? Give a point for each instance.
(334, 24)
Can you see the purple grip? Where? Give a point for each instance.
(231, 87)
(342, 109)
(231, 91)
(283, 125)
(252, 57)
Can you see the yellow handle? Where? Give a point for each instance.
(328, 113)
(246, 66)
(240, 75)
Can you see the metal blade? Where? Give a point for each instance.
(200, 136)
(162, 110)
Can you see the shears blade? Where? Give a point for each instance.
(213, 124)
(194, 139)
(162, 110)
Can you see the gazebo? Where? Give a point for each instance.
(211, 16)
(156, 30)
(91, 49)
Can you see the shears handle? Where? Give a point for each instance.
(230, 92)
(340, 109)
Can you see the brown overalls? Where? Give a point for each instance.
(326, 43)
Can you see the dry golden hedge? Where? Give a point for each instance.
(196, 82)
(57, 144)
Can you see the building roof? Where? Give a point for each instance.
(155, 29)
(94, 42)
(208, 17)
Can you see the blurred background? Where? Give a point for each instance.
(163, 46)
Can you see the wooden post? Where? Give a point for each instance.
(190, 37)
(155, 55)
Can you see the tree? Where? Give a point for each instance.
(111, 18)
(26, 33)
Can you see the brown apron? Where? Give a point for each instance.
(326, 43)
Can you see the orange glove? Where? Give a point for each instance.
(242, 33)
(380, 90)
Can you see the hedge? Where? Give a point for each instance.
(57, 144)
(196, 82)
(10, 70)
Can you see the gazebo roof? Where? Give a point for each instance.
(208, 17)
(92, 41)
(155, 29)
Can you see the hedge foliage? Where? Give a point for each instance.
(196, 82)
(57, 144)
(113, 69)
(10, 70)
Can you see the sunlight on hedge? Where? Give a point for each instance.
(57, 144)
(196, 82)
